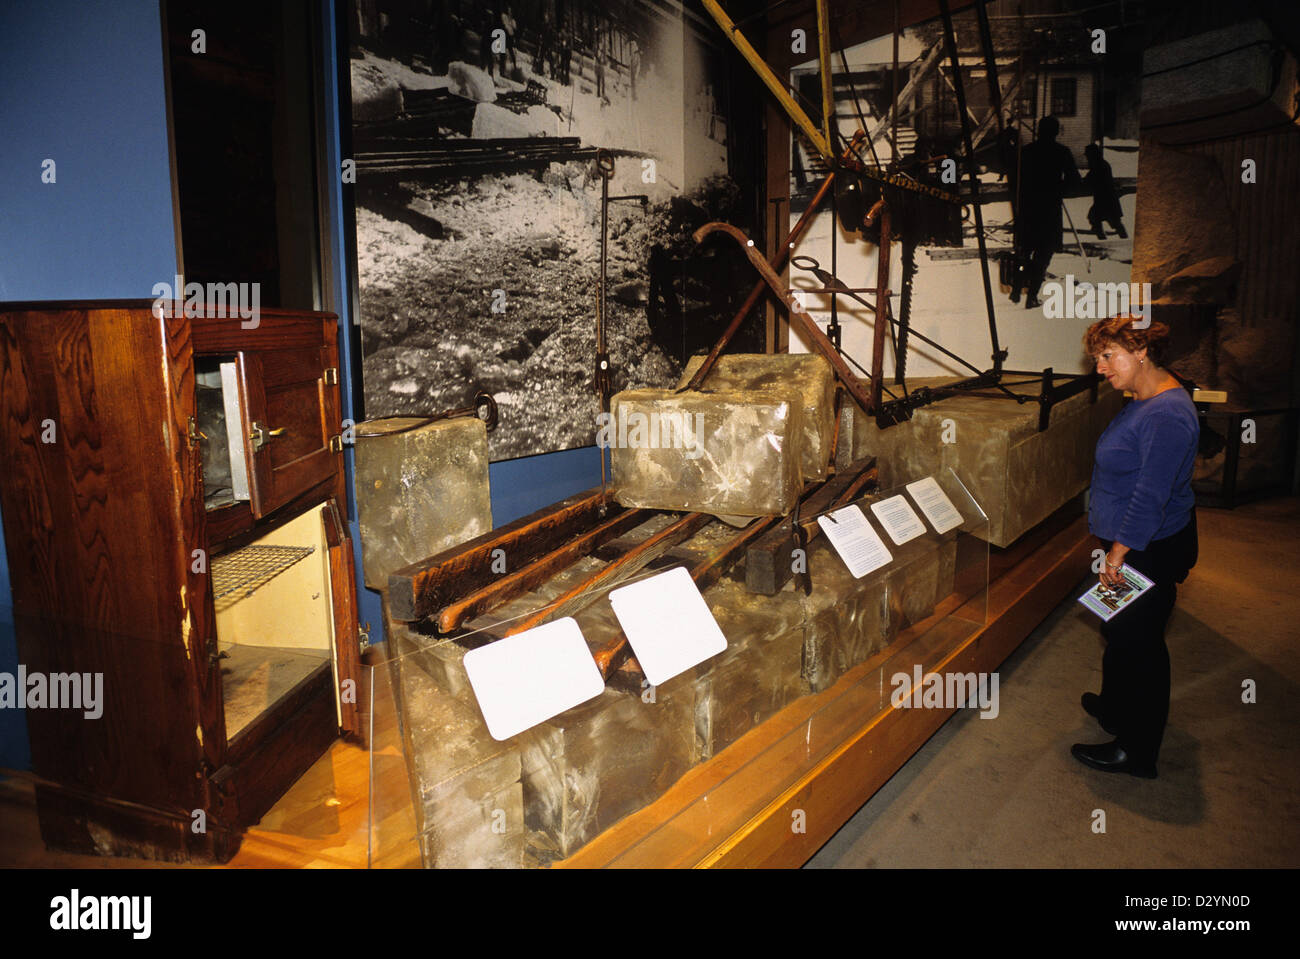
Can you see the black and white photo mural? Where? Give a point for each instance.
(1057, 182)
(484, 135)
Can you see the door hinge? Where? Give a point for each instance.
(363, 637)
(332, 376)
(193, 433)
(336, 444)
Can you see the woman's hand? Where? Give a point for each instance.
(1110, 571)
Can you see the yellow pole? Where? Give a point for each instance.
(820, 143)
(824, 63)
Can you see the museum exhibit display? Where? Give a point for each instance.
(543, 794)
(585, 433)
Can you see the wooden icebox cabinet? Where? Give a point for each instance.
(173, 499)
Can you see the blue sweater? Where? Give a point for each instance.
(1142, 480)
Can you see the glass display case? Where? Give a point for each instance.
(824, 689)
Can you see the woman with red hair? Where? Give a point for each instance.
(1142, 509)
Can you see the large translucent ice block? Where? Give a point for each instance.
(419, 491)
(1018, 474)
(924, 572)
(467, 786)
(592, 765)
(759, 673)
(729, 453)
(847, 618)
(808, 374)
(850, 619)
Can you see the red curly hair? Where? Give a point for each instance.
(1120, 330)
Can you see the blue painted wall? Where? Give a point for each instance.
(80, 84)
(521, 486)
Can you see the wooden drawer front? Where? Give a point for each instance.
(286, 391)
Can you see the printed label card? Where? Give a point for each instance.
(935, 504)
(858, 544)
(898, 518)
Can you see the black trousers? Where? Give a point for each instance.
(1135, 666)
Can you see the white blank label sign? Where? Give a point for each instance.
(667, 623)
(935, 504)
(898, 518)
(857, 543)
(525, 679)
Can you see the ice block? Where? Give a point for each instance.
(847, 618)
(732, 453)
(1017, 474)
(760, 672)
(808, 374)
(590, 766)
(467, 787)
(419, 491)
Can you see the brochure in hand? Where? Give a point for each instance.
(1107, 602)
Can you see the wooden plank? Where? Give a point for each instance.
(99, 545)
(347, 651)
(710, 570)
(423, 588)
(75, 822)
(508, 586)
(630, 562)
(914, 82)
(276, 329)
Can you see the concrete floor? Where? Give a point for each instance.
(1005, 791)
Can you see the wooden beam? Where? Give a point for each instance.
(773, 83)
(629, 563)
(422, 589)
(507, 586)
(909, 91)
(824, 66)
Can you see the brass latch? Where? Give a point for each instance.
(336, 444)
(260, 435)
(332, 376)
